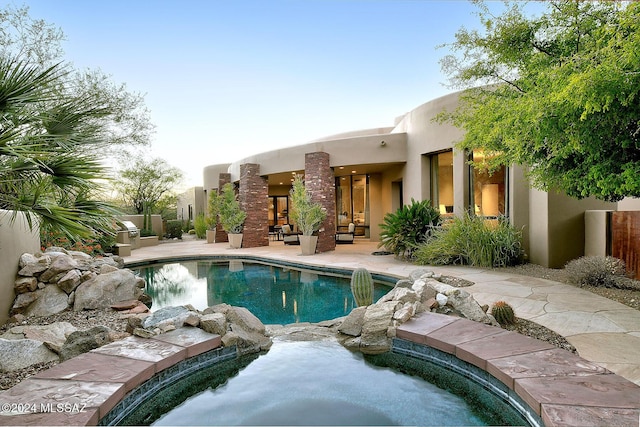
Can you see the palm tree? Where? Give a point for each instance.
(49, 151)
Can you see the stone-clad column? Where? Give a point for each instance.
(221, 235)
(254, 200)
(320, 182)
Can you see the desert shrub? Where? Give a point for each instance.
(200, 226)
(604, 271)
(96, 245)
(472, 240)
(404, 230)
(174, 229)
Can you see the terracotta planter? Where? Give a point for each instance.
(308, 244)
(211, 236)
(235, 241)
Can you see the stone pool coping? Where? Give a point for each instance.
(559, 388)
(82, 390)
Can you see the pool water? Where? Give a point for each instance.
(321, 383)
(275, 294)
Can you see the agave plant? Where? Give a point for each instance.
(404, 230)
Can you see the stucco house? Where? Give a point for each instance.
(360, 176)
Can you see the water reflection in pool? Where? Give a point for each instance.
(321, 383)
(275, 294)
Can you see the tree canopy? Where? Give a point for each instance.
(143, 183)
(557, 93)
(58, 125)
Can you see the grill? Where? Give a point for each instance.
(130, 227)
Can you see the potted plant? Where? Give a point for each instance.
(307, 215)
(231, 215)
(212, 217)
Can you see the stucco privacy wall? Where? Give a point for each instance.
(15, 239)
(138, 220)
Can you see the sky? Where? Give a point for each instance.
(224, 80)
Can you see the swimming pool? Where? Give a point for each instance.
(276, 294)
(314, 383)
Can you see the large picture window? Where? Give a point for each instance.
(442, 182)
(488, 188)
(352, 203)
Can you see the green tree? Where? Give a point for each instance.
(57, 127)
(558, 93)
(145, 185)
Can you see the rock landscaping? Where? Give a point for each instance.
(370, 329)
(69, 303)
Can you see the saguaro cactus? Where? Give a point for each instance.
(362, 287)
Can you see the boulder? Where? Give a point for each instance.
(70, 281)
(107, 268)
(53, 335)
(60, 264)
(377, 320)
(462, 302)
(352, 324)
(246, 341)
(419, 273)
(25, 284)
(50, 300)
(168, 315)
(22, 301)
(19, 354)
(106, 289)
(246, 320)
(30, 265)
(79, 342)
(214, 323)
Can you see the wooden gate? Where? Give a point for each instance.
(625, 239)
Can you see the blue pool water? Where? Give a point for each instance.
(275, 294)
(321, 383)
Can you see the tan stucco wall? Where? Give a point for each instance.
(557, 227)
(360, 150)
(596, 226)
(629, 204)
(15, 239)
(424, 136)
(195, 197)
(211, 174)
(138, 220)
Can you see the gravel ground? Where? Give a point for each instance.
(115, 321)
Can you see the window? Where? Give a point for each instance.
(278, 210)
(488, 188)
(352, 202)
(442, 182)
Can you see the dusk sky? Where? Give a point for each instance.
(227, 79)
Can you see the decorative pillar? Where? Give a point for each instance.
(254, 200)
(320, 182)
(221, 235)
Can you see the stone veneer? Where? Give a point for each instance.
(320, 182)
(254, 200)
(221, 235)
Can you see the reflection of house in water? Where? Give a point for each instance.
(362, 175)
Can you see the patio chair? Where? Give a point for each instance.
(290, 237)
(346, 236)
